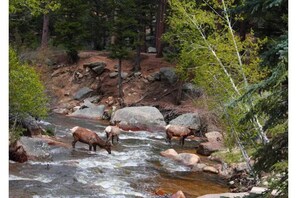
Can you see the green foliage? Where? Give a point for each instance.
(23, 29)
(220, 62)
(15, 133)
(123, 28)
(36, 7)
(232, 155)
(273, 104)
(273, 158)
(26, 93)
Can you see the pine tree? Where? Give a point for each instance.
(273, 104)
(123, 31)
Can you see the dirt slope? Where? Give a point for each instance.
(63, 81)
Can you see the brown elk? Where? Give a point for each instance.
(178, 131)
(89, 137)
(112, 132)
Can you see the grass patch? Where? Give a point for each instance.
(232, 155)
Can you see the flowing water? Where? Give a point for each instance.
(134, 169)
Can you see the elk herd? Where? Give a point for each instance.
(91, 138)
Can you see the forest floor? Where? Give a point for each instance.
(62, 83)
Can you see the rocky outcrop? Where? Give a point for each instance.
(89, 110)
(139, 118)
(190, 120)
(83, 93)
(96, 67)
(168, 74)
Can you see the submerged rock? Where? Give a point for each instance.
(188, 159)
(170, 153)
(210, 169)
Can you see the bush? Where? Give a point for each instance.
(26, 92)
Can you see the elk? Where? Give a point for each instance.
(112, 132)
(177, 131)
(89, 137)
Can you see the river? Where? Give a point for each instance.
(134, 169)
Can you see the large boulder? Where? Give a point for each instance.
(97, 67)
(139, 118)
(168, 74)
(89, 110)
(35, 148)
(83, 93)
(207, 148)
(215, 143)
(190, 120)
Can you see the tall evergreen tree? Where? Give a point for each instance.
(273, 104)
(123, 30)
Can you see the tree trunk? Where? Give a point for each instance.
(179, 93)
(45, 32)
(120, 78)
(138, 50)
(160, 26)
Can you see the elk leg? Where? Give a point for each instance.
(112, 139)
(94, 146)
(117, 138)
(90, 147)
(74, 142)
(183, 141)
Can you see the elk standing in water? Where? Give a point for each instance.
(112, 132)
(177, 131)
(89, 137)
